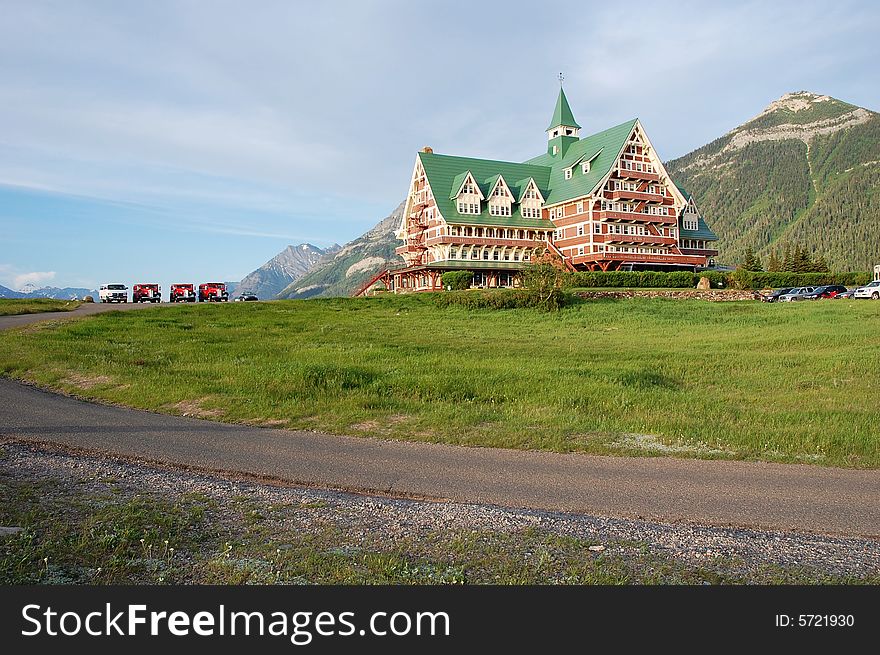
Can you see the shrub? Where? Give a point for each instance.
(505, 299)
(650, 279)
(457, 280)
(764, 280)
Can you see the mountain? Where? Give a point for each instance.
(67, 293)
(805, 170)
(284, 268)
(340, 273)
(6, 292)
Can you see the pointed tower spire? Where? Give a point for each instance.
(562, 116)
(563, 130)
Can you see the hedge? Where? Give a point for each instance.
(504, 299)
(457, 280)
(739, 279)
(742, 279)
(651, 279)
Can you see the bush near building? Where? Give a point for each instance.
(457, 280)
(739, 279)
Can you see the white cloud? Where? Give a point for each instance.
(36, 278)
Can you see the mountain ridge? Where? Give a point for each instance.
(805, 170)
(340, 273)
(284, 268)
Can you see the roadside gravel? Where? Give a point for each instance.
(404, 519)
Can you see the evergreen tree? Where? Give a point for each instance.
(820, 265)
(787, 260)
(751, 262)
(773, 264)
(801, 259)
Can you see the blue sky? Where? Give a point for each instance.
(188, 141)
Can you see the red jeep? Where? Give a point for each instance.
(146, 293)
(213, 292)
(183, 293)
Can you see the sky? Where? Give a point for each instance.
(190, 141)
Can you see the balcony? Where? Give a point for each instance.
(623, 194)
(632, 174)
(638, 217)
(483, 241)
(650, 239)
(704, 252)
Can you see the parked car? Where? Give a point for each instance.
(798, 293)
(845, 295)
(113, 293)
(773, 297)
(149, 292)
(182, 293)
(870, 290)
(246, 297)
(829, 291)
(213, 292)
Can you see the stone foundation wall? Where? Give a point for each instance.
(712, 295)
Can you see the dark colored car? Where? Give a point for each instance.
(829, 291)
(844, 295)
(774, 297)
(246, 297)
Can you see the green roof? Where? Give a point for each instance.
(562, 113)
(446, 174)
(702, 232)
(606, 146)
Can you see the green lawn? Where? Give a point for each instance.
(14, 306)
(793, 382)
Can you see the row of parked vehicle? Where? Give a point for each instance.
(792, 294)
(150, 292)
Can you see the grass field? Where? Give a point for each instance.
(15, 306)
(784, 382)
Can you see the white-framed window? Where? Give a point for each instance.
(580, 208)
(580, 230)
(531, 212)
(567, 173)
(468, 208)
(499, 210)
(585, 167)
(597, 228)
(581, 250)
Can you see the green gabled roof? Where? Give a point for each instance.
(519, 188)
(702, 232)
(605, 145)
(490, 184)
(457, 184)
(562, 113)
(446, 174)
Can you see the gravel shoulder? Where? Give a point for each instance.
(436, 541)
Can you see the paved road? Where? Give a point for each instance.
(86, 309)
(775, 496)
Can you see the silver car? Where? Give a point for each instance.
(797, 293)
(870, 290)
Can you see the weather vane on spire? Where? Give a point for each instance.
(561, 78)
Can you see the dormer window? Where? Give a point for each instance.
(468, 208)
(567, 173)
(585, 167)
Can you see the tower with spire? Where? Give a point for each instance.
(563, 130)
